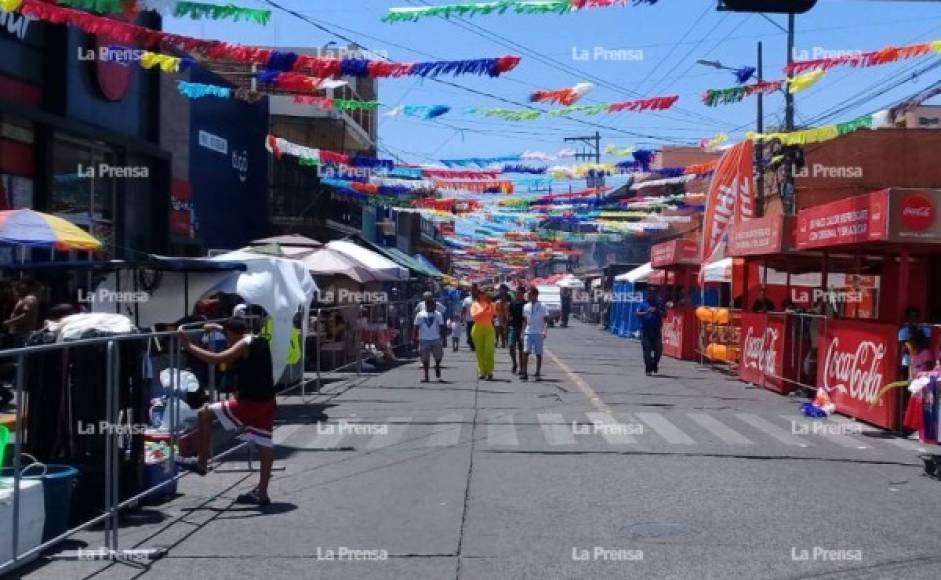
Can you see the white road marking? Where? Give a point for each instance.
(501, 431)
(614, 432)
(396, 428)
(555, 429)
(773, 430)
(665, 429)
(721, 430)
(448, 433)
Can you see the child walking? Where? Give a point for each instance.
(456, 328)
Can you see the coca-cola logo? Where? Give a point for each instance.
(917, 212)
(114, 78)
(672, 332)
(858, 374)
(761, 351)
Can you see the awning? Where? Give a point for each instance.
(331, 262)
(372, 260)
(397, 256)
(718, 272)
(638, 274)
(428, 265)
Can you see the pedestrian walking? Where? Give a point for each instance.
(429, 332)
(500, 320)
(651, 312)
(466, 315)
(456, 328)
(515, 324)
(535, 314)
(252, 410)
(483, 311)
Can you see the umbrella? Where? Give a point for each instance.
(330, 262)
(377, 263)
(25, 227)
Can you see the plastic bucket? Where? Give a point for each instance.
(58, 482)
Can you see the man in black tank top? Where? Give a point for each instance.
(253, 409)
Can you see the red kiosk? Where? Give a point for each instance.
(679, 261)
(893, 235)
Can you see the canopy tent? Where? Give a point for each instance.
(331, 262)
(372, 260)
(718, 272)
(436, 272)
(570, 282)
(288, 240)
(637, 275)
(280, 286)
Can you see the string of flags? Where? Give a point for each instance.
(713, 97)
(566, 97)
(415, 13)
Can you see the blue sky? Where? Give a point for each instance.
(672, 35)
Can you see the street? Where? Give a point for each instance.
(596, 472)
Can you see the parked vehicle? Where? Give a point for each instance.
(551, 296)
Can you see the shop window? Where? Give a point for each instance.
(80, 193)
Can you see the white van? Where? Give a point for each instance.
(551, 296)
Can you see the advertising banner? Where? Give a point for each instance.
(675, 252)
(855, 360)
(853, 220)
(761, 236)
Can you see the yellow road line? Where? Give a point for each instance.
(579, 382)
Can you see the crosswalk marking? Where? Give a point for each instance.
(830, 430)
(326, 436)
(773, 430)
(448, 433)
(397, 426)
(725, 433)
(501, 431)
(665, 429)
(614, 432)
(555, 429)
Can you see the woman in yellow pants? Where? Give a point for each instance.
(483, 311)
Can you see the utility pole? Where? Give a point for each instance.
(591, 150)
(759, 146)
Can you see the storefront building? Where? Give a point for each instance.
(79, 139)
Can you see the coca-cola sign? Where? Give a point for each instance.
(673, 333)
(917, 212)
(761, 350)
(856, 360)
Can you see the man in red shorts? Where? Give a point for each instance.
(253, 409)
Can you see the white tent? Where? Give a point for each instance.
(718, 272)
(638, 274)
(332, 262)
(376, 262)
(570, 282)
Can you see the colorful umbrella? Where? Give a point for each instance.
(25, 227)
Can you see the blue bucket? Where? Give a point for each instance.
(58, 481)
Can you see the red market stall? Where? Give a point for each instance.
(892, 236)
(679, 261)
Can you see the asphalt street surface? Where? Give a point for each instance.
(598, 471)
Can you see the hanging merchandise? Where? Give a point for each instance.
(804, 81)
(865, 59)
(567, 96)
(413, 14)
(199, 90)
(713, 97)
(198, 10)
(819, 134)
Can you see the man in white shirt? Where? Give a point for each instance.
(430, 332)
(534, 313)
(438, 306)
(466, 315)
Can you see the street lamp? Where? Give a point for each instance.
(759, 127)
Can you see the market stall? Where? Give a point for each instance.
(629, 289)
(679, 261)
